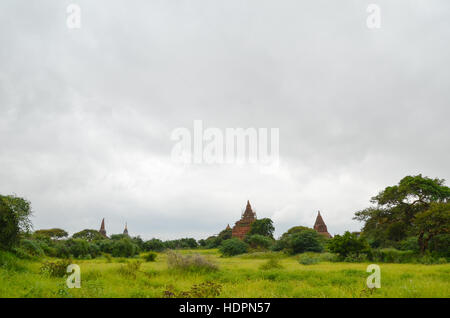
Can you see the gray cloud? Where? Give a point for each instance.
(86, 115)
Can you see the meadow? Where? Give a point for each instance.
(241, 276)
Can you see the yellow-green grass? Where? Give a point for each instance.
(239, 277)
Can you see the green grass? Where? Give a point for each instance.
(239, 276)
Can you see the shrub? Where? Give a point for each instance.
(194, 263)
(154, 245)
(9, 261)
(124, 248)
(308, 259)
(55, 269)
(356, 257)
(77, 247)
(203, 290)
(272, 263)
(150, 256)
(259, 241)
(32, 248)
(130, 269)
(348, 243)
(391, 255)
(233, 247)
(304, 241)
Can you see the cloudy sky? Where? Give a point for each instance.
(86, 114)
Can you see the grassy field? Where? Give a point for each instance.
(238, 277)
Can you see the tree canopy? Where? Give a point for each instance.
(398, 210)
(262, 227)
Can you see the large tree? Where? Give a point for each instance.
(262, 227)
(9, 227)
(21, 208)
(394, 216)
(432, 222)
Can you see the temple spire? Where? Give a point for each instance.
(102, 228)
(320, 226)
(125, 231)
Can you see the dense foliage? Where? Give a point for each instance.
(233, 247)
(416, 207)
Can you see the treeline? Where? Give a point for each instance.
(408, 221)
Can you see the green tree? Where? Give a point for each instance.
(393, 217)
(432, 222)
(304, 241)
(262, 227)
(9, 227)
(259, 241)
(52, 233)
(347, 244)
(233, 247)
(21, 208)
(88, 235)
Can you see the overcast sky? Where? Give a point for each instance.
(86, 114)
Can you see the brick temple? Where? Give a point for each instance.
(241, 227)
(320, 226)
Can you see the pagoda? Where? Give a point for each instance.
(242, 227)
(320, 226)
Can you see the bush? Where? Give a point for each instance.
(356, 257)
(308, 259)
(77, 247)
(9, 261)
(130, 269)
(32, 248)
(272, 263)
(203, 290)
(304, 241)
(391, 255)
(259, 241)
(55, 269)
(347, 244)
(124, 248)
(193, 263)
(233, 247)
(154, 245)
(150, 257)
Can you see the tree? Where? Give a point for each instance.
(259, 241)
(393, 217)
(22, 209)
(304, 241)
(233, 247)
(347, 243)
(52, 233)
(432, 222)
(9, 227)
(88, 235)
(154, 245)
(262, 227)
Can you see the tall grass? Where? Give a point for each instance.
(239, 276)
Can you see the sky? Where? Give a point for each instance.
(86, 114)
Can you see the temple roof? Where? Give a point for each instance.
(320, 225)
(248, 213)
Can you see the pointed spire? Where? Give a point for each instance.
(248, 213)
(125, 231)
(320, 225)
(102, 228)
